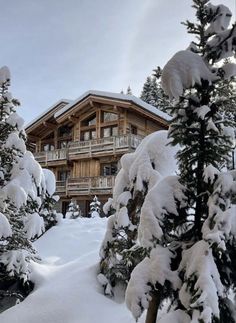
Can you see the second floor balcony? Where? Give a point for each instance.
(91, 148)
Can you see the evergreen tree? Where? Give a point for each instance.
(153, 93)
(139, 171)
(17, 193)
(189, 231)
(129, 91)
(74, 210)
(22, 192)
(49, 200)
(162, 101)
(95, 207)
(147, 93)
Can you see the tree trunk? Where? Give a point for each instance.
(153, 308)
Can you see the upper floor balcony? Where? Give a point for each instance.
(85, 185)
(91, 148)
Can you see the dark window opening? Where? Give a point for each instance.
(134, 130)
(64, 131)
(89, 121)
(109, 169)
(63, 175)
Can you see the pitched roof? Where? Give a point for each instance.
(119, 96)
(50, 109)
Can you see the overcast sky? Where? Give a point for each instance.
(61, 48)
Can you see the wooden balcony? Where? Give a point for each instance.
(47, 158)
(103, 146)
(85, 185)
(91, 148)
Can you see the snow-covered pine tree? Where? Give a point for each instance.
(47, 208)
(153, 93)
(187, 222)
(20, 178)
(74, 210)
(227, 96)
(147, 91)
(139, 172)
(129, 91)
(23, 188)
(162, 101)
(95, 207)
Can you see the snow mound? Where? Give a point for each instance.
(66, 287)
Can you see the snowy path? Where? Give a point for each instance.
(66, 288)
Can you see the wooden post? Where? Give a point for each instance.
(55, 138)
(125, 122)
(153, 308)
(98, 124)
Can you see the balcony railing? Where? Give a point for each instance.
(81, 149)
(85, 185)
(46, 157)
(103, 145)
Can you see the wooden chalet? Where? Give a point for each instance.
(82, 141)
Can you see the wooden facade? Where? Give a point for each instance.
(82, 141)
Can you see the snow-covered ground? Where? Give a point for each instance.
(66, 288)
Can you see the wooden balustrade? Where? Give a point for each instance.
(81, 149)
(84, 185)
(120, 144)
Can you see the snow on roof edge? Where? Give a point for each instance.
(119, 96)
(47, 111)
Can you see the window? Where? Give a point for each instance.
(89, 121)
(63, 175)
(109, 132)
(109, 169)
(64, 131)
(109, 116)
(133, 130)
(48, 147)
(88, 135)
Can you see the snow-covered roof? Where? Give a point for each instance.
(47, 111)
(117, 96)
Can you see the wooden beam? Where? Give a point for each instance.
(49, 125)
(73, 119)
(32, 137)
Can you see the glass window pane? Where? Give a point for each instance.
(93, 134)
(113, 169)
(115, 131)
(106, 132)
(64, 131)
(63, 175)
(92, 122)
(109, 116)
(86, 135)
(89, 121)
